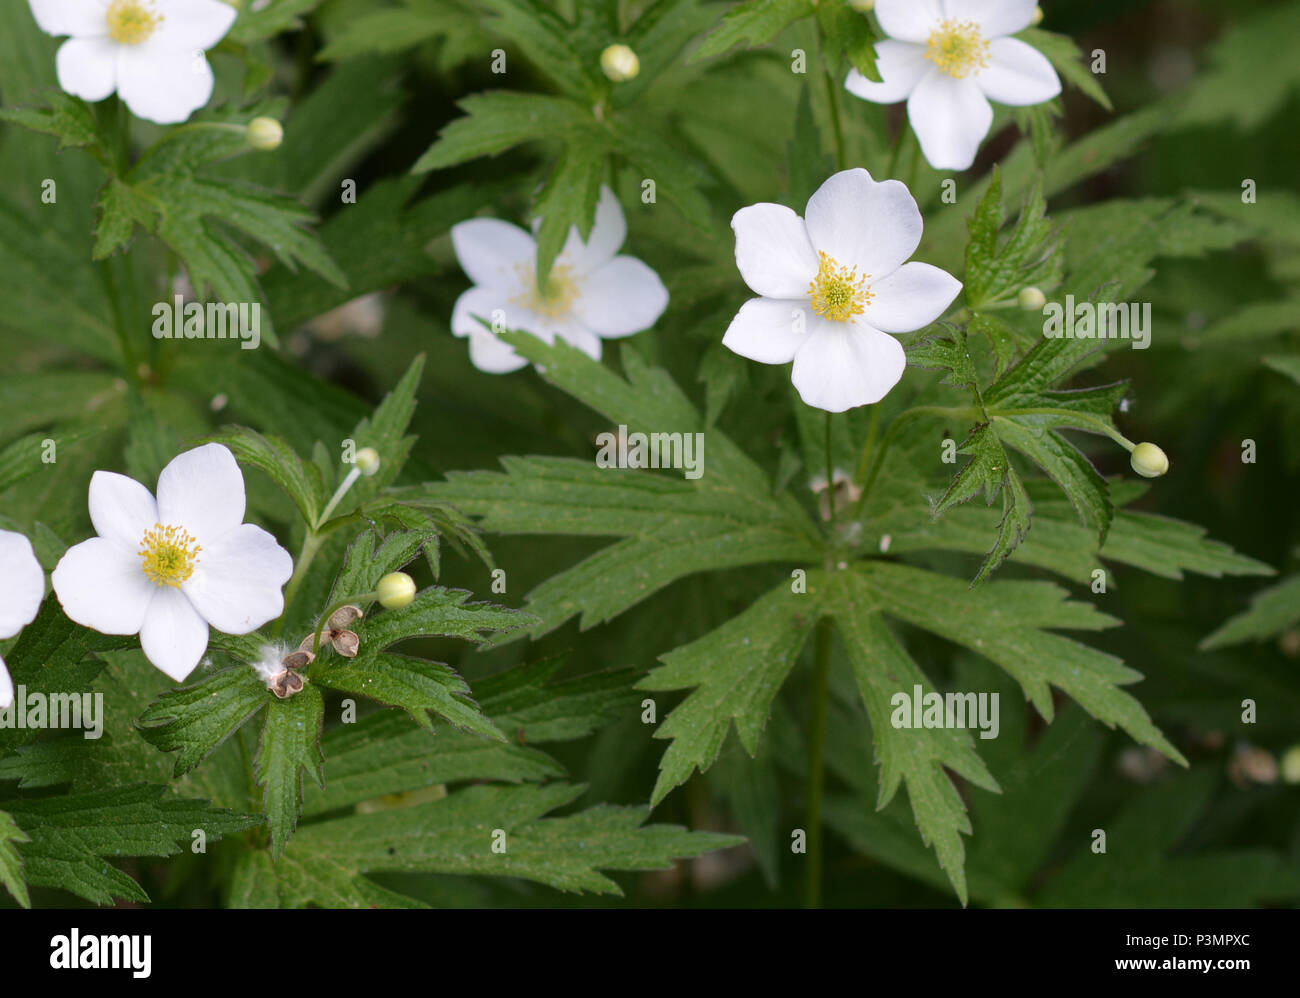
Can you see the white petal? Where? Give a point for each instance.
(950, 118)
(236, 584)
(87, 67)
(494, 253)
(606, 236)
(22, 583)
(911, 297)
(174, 636)
(622, 297)
(493, 356)
(121, 509)
(480, 303)
(71, 17)
(202, 491)
(103, 587)
(909, 20)
(1018, 74)
(6, 687)
(864, 224)
(773, 252)
(994, 17)
(577, 335)
(769, 330)
(843, 366)
(901, 65)
(192, 25)
(163, 85)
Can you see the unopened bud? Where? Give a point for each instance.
(1031, 299)
(265, 134)
(1291, 765)
(367, 460)
(1149, 461)
(619, 63)
(864, 6)
(1038, 16)
(396, 590)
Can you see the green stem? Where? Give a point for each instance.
(898, 145)
(878, 462)
(310, 546)
(832, 98)
(812, 894)
(830, 473)
(872, 428)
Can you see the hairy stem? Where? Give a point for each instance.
(812, 893)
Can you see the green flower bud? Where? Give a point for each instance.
(367, 459)
(396, 590)
(864, 6)
(1149, 461)
(1038, 16)
(1031, 299)
(265, 134)
(619, 63)
(1291, 765)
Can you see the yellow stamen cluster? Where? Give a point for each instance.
(169, 554)
(131, 22)
(556, 300)
(957, 48)
(838, 293)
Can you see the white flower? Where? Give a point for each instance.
(834, 284)
(948, 59)
(591, 294)
(167, 569)
(150, 51)
(22, 587)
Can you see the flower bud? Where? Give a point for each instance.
(1149, 461)
(619, 63)
(1031, 299)
(1291, 765)
(1038, 16)
(863, 6)
(396, 590)
(367, 459)
(265, 134)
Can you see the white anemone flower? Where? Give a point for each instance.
(948, 59)
(167, 569)
(22, 587)
(591, 294)
(833, 285)
(150, 51)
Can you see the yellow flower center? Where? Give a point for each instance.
(557, 298)
(131, 22)
(957, 47)
(839, 293)
(169, 554)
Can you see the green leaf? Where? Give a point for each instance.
(1271, 612)
(917, 756)
(456, 834)
(997, 270)
(385, 754)
(530, 704)
(1066, 57)
(734, 673)
(195, 720)
(568, 200)
(669, 527)
(290, 746)
(414, 684)
(73, 835)
(300, 479)
(502, 119)
(11, 861)
(1288, 365)
(68, 118)
(1008, 623)
(753, 23)
(121, 209)
(547, 40)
